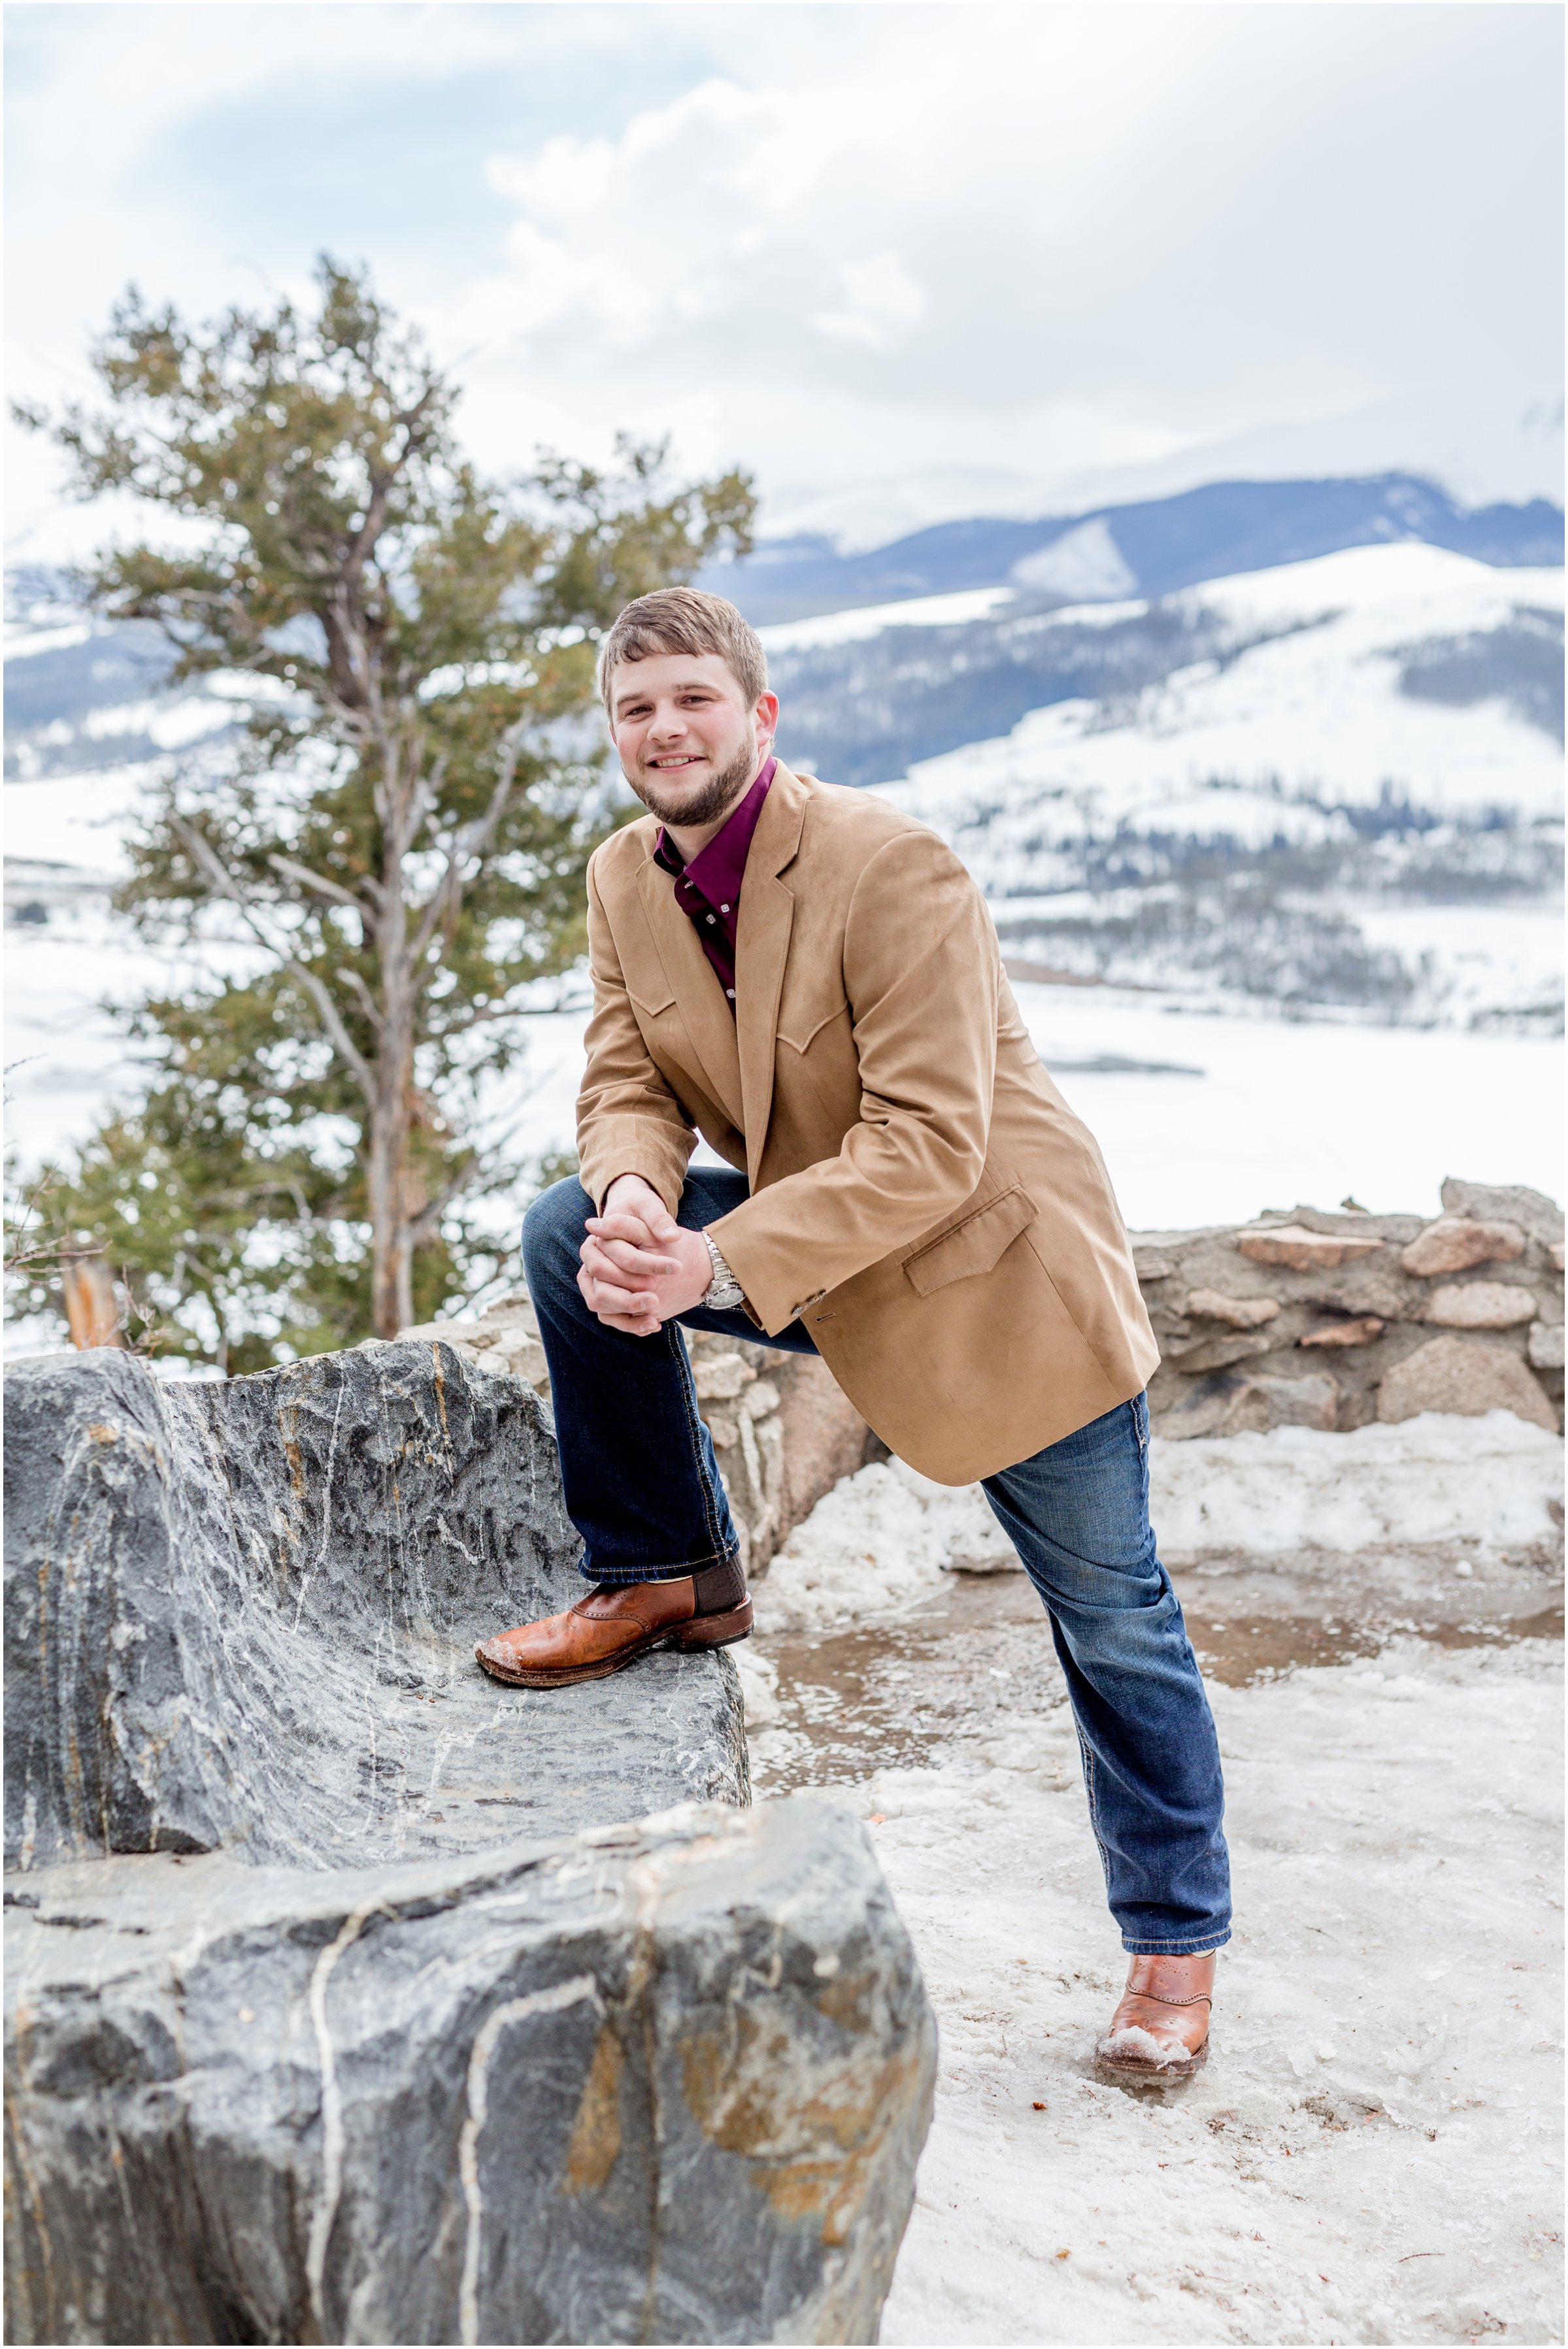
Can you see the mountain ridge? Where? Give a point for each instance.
(1161, 545)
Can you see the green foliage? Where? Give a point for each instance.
(387, 860)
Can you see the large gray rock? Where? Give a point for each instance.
(339, 2009)
(244, 1614)
(663, 2083)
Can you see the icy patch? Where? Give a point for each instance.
(1433, 1479)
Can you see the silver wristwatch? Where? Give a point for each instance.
(723, 1291)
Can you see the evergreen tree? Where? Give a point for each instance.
(393, 856)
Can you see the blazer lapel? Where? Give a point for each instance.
(761, 949)
(699, 999)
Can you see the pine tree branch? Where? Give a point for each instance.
(224, 886)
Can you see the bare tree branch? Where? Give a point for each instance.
(317, 882)
(471, 841)
(368, 1003)
(224, 886)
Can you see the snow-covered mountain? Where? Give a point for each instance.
(1336, 783)
(1152, 548)
(1331, 786)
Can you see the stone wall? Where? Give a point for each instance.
(1310, 1319)
(1300, 1318)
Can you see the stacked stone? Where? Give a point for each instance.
(1306, 1319)
(1301, 1318)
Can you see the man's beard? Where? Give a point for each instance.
(715, 798)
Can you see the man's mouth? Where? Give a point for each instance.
(676, 761)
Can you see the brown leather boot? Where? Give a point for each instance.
(1159, 2033)
(617, 1622)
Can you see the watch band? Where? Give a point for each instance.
(723, 1291)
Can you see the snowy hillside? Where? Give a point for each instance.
(1322, 791)
(1350, 797)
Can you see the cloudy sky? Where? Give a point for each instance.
(904, 261)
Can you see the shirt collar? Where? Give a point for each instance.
(716, 870)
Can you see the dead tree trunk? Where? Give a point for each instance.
(92, 1309)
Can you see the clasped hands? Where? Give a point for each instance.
(640, 1268)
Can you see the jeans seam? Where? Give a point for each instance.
(688, 1404)
(630, 1581)
(1086, 1756)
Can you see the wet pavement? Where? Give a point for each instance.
(961, 1671)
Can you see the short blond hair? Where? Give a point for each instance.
(685, 620)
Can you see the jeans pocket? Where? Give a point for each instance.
(1139, 1410)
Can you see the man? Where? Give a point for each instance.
(810, 980)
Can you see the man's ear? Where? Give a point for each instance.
(767, 716)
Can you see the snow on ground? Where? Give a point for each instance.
(883, 1538)
(1485, 1482)
(880, 1541)
(1371, 2154)
(1285, 1113)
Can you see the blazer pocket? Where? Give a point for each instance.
(799, 1029)
(652, 1000)
(973, 1246)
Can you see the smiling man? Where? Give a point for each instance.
(811, 981)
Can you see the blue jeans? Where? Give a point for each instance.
(642, 1488)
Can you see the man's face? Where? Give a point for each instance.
(688, 740)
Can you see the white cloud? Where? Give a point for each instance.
(1056, 246)
(902, 261)
(882, 303)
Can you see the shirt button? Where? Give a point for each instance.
(730, 993)
(723, 909)
(710, 917)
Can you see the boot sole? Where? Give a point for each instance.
(1153, 2076)
(702, 1632)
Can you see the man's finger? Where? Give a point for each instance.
(642, 1262)
(610, 1296)
(601, 1272)
(634, 1229)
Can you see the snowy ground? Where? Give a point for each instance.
(1371, 2155)
(1456, 1497)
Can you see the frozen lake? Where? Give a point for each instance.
(1273, 1114)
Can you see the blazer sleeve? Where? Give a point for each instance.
(922, 977)
(628, 1121)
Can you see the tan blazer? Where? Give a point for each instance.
(922, 1197)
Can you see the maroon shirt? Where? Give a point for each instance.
(707, 890)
